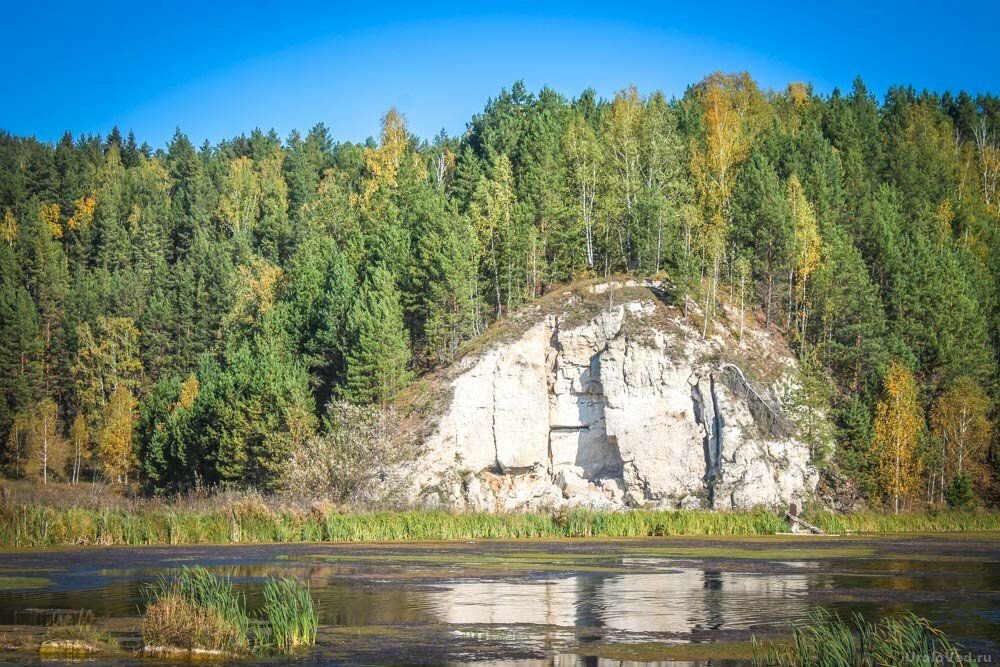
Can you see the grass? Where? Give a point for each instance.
(197, 610)
(252, 520)
(827, 641)
(290, 615)
(911, 522)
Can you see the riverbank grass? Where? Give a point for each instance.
(75, 635)
(55, 520)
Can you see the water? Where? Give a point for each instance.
(574, 602)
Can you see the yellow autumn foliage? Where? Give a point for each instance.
(114, 442)
(960, 419)
(898, 424)
(9, 228)
(189, 392)
(49, 216)
(83, 212)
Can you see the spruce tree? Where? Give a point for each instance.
(378, 350)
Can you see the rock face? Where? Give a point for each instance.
(622, 411)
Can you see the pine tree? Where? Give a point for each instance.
(378, 352)
(763, 222)
(443, 280)
(21, 347)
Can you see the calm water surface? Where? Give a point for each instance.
(542, 603)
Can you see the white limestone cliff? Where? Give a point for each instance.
(621, 411)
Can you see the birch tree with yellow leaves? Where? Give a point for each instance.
(9, 228)
(807, 252)
(732, 113)
(960, 420)
(898, 425)
(114, 442)
(239, 201)
(493, 217)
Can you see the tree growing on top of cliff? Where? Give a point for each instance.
(378, 347)
(807, 248)
(732, 112)
(898, 424)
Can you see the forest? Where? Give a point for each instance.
(191, 316)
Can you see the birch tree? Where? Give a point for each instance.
(898, 424)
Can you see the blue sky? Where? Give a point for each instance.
(218, 69)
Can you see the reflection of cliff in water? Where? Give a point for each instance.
(677, 601)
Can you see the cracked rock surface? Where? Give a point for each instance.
(607, 416)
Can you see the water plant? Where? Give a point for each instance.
(289, 614)
(825, 640)
(197, 610)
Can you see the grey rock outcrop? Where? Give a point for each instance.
(625, 410)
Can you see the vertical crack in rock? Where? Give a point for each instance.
(708, 415)
(552, 371)
(496, 446)
(614, 466)
(716, 443)
(698, 404)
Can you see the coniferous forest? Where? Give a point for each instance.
(191, 315)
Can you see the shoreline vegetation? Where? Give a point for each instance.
(230, 518)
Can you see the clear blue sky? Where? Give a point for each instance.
(220, 68)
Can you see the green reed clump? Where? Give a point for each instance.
(827, 641)
(196, 610)
(199, 610)
(289, 614)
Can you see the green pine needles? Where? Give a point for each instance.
(378, 356)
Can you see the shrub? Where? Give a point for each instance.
(354, 460)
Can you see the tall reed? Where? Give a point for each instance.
(827, 641)
(199, 610)
(289, 614)
(33, 525)
(196, 609)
